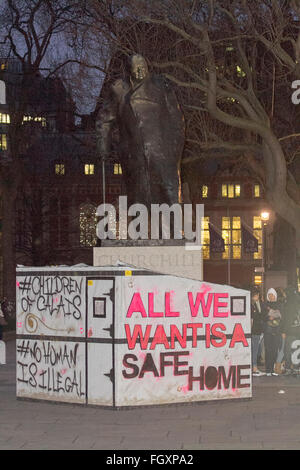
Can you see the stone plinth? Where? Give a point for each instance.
(173, 259)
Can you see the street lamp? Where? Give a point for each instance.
(265, 215)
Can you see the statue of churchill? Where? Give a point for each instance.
(151, 134)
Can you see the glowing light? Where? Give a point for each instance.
(265, 216)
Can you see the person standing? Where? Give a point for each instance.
(272, 331)
(291, 326)
(281, 299)
(257, 326)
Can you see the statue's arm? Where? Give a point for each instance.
(104, 124)
(174, 110)
(173, 106)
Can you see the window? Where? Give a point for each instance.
(89, 169)
(205, 238)
(3, 66)
(117, 169)
(231, 190)
(59, 221)
(240, 71)
(257, 232)
(236, 238)
(4, 118)
(2, 92)
(87, 225)
(204, 192)
(226, 235)
(39, 119)
(258, 279)
(60, 169)
(256, 190)
(3, 142)
(231, 233)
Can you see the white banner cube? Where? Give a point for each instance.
(120, 336)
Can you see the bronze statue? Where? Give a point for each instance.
(151, 135)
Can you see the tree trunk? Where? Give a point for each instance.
(8, 248)
(285, 258)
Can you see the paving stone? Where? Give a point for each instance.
(268, 421)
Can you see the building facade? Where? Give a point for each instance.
(54, 217)
(66, 180)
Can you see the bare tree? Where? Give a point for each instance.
(29, 30)
(238, 60)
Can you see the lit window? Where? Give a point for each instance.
(3, 66)
(236, 238)
(231, 233)
(3, 142)
(225, 222)
(257, 222)
(87, 225)
(205, 238)
(236, 252)
(117, 169)
(240, 72)
(256, 190)
(89, 169)
(204, 192)
(231, 190)
(226, 235)
(59, 169)
(257, 232)
(4, 118)
(39, 119)
(258, 279)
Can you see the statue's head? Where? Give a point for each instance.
(139, 67)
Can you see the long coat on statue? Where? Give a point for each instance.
(151, 138)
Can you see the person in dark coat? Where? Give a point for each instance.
(291, 326)
(272, 331)
(151, 134)
(258, 318)
(282, 300)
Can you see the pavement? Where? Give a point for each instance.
(270, 420)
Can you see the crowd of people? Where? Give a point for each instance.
(275, 326)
